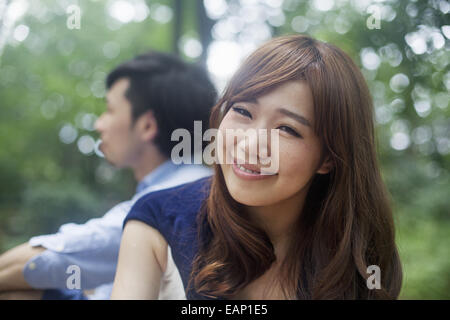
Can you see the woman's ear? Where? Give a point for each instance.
(147, 126)
(326, 166)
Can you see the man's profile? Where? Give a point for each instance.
(147, 98)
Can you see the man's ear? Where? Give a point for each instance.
(147, 126)
(326, 166)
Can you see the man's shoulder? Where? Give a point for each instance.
(185, 174)
(195, 169)
(187, 192)
(181, 175)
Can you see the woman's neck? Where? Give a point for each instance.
(279, 220)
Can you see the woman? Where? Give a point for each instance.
(308, 231)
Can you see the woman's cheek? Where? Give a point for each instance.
(293, 162)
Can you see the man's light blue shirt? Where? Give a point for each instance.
(94, 246)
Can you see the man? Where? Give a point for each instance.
(147, 99)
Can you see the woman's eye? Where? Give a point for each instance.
(290, 131)
(242, 111)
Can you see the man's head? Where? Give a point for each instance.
(147, 99)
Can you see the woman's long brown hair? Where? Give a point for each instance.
(346, 223)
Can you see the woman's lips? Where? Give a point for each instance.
(250, 167)
(239, 170)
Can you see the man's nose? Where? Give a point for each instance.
(99, 124)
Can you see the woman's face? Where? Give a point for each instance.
(288, 108)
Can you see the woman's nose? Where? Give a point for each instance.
(255, 146)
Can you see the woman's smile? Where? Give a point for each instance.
(249, 172)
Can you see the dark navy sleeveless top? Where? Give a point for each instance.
(173, 212)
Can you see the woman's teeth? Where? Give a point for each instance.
(247, 170)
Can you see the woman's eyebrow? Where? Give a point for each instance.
(294, 116)
(248, 101)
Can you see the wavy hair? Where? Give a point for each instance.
(346, 223)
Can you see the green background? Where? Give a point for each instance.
(54, 79)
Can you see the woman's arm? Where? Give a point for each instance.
(142, 261)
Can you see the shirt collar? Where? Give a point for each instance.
(156, 175)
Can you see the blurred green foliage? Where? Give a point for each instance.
(54, 79)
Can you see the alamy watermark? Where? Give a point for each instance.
(374, 20)
(374, 280)
(252, 147)
(74, 18)
(74, 279)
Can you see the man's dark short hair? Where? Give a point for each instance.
(178, 93)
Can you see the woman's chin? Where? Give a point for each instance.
(250, 199)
